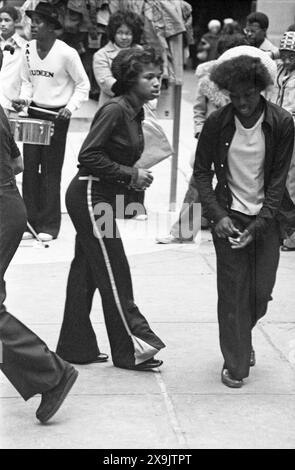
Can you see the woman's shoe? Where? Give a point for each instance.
(229, 381)
(286, 248)
(252, 358)
(150, 364)
(102, 357)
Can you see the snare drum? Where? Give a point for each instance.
(32, 131)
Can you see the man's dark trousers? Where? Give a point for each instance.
(245, 280)
(42, 177)
(25, 358)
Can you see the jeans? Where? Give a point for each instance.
(245, 280)
(25, 359)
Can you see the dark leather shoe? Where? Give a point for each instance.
(229, 381)
(147, 365)
(102, 357)
(52, 399)
(286, 248)
(252, 358)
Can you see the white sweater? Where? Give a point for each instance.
(57, 80)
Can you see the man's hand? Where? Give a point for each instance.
(18, 104)
(64, 113)
(144, 179)
(17, 165)
(225, 228)
(243, 240)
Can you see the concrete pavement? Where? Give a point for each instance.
(184, 405)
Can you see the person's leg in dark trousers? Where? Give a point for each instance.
(234, 312)
(42, 178)
(265, 257)
(52, 159)
(77, 340)
(26, 360)
(31, 182)
(103, 256)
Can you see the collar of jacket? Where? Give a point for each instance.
(111, 47)
(132, 110)
(228, 118)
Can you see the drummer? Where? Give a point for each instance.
(53, 78)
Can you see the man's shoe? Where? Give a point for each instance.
(102, 357)
(45, 237)
(171, 239)
(252, 358)
(27, 236)
(229, 381)
(52, 399)
(146, 365)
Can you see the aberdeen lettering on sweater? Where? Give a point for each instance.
(58, 80)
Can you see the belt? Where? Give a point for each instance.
(89, 178)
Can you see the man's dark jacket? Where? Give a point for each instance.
(213, 147)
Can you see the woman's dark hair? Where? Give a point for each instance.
(130, 19)
(243, 69)
(227, 41)
(11, 11)
(129, 64)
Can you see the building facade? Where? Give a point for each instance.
(281, 15)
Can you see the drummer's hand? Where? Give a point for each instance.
(64, 113)
(18, 104)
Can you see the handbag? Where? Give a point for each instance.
(157, 147)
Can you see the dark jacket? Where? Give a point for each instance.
(115, 142)
(9, 150)
(213, 147)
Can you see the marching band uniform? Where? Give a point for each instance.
(53, 82)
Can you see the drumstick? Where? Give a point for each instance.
(46, 111)
(45, 245)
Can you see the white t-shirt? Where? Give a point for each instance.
(246, 168)
(57, 80)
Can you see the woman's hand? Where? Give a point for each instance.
(17, 165)
(243, 240)
(144, 179)
(225, 228)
